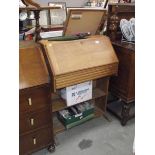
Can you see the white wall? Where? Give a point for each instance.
(69, 3)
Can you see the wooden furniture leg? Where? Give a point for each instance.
(125, 113)
(107, 117)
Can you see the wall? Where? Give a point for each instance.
(69, 3)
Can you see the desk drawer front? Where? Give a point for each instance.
(36, 120)
(35, 141)
(33, 100)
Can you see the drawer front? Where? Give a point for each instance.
(32, 100)
(36, 120)
(35, 141)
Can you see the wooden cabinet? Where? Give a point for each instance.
(35, 110)
(123, 85)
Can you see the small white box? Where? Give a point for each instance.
(77, 93)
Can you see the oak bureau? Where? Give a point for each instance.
(35, 116)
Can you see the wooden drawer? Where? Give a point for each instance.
(35, 141)
(36, 120)
(34, 99)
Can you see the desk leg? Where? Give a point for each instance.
(125, 113)
(107, 117)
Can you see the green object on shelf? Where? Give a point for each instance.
(80, 121)
(77, 119)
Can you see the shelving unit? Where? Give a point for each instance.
(99, 99)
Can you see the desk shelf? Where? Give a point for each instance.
(58, 127)
(99, 99)
(59, 104)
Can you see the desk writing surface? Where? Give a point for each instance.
(71, 56)
(32, 69)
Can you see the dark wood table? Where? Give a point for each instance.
(123, 85)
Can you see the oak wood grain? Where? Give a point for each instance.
(72, 62)
(32, 70)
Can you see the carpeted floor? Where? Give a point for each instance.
(95, 137)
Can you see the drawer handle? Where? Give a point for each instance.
(32, 121)
(30, 101)
(34, 141)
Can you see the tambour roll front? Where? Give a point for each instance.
(72, 62)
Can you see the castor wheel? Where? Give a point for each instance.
(51, 148)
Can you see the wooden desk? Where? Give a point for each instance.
(73, 62)
(35, 123)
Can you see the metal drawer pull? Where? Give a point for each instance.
(34, 141)
(30, 101)
(32, 121)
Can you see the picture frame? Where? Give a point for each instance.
(84, 20)
(57, 16)
(68, 8)
(44, 19)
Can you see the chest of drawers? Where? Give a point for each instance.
(35, 111)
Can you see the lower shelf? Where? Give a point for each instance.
(59, 127)
(115, 108)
